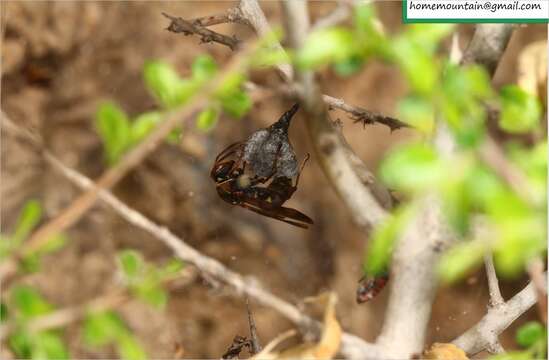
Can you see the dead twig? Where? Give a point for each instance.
(256, 345)
(535, 270)
(179, 25)
(493, 284)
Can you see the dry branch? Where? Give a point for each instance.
(179, 25)
(497, 319)
(352, 345)
(493, 284)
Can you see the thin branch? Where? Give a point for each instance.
(256, 345)
(179, 25)
(332, 150)
(493, 284)
(231, 15)
(334, 17)
(352, 345)
(535, 270)
(484, 334)
(80, 205)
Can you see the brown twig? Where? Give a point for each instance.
(179, 25)
(335, 16)
(535, 270)
(254, 338)
(485, 333)
(493, 284)
(231, 15)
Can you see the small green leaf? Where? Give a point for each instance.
(325, 46)
(3, 312)
(380, 248)
(203, 68)
(166, 86)
(129, 348)
(520, 111)
(152, 293)
(460, 259)
(413, 167)
(174, 137)
(114, 128)
(54, 243)
(529, 333)
(102, 328)
(49, 345)
(418, 112)
(207, 119)
(173, 267)
(28, 219)
(349, 66)
(131, 263)
(30, 263)
(143, 125)
(236, 104)
(28, 302)
(21, 344)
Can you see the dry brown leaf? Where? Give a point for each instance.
(443, 351)
(532, 69)
(326, 348)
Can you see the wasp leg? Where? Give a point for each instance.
(301, 168)
(273, 216)
(283, 211)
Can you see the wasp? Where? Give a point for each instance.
(257, 174)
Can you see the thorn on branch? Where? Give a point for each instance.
(179, 25)
(256, 345)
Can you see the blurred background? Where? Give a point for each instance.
(60, 60)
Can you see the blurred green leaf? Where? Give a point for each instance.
(325, 46)
(175, 135)
(207, 118)
(513, 355)
(49, 345)
(460, 259)
(151, 292)
(413, 167)
(520, 111)
(417, 112)
(533, 162)
(144, 124)
(28, 302)
(102, 328)
(236, 104)
(114, 128)
(203, 68)
(349, 65)
(20, 343)
(129, 348)
(131, 263)
(380, 248)
(28, 219)
(3, 312)
(30, 263)
(230, 84)
(172, 267)
(166, 86)
(529, 333)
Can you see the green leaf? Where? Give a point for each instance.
(236, 104)
(3, 312)
(513, 355)
(143, 125)
(152, 293)
(131, 263)
(380, 248)
(129, 348)
(520, 111)
(428, 36)
(30, 263)
(418, 112)
(28, 302)
(413, 167)
(102, 328)
(20, 343)
(203, 68)
(326, 46)
(49, 345)
(171, 268)
(207, 119)
(349, 66)
(54, 243)
(175, 136)
(28, 219)
(460, 259)
(166, 86)
(114, 128)
(530, 333)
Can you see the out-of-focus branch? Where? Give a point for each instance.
(244, 286)
(413, 276)
(179, 25)
(343, 10)
(493, 284)
(332, 150)
(80, 205)
(231, 15)
(485, 333)
(535, 270)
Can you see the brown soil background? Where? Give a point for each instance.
(61, 59)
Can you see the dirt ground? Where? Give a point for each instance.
(61, 59)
